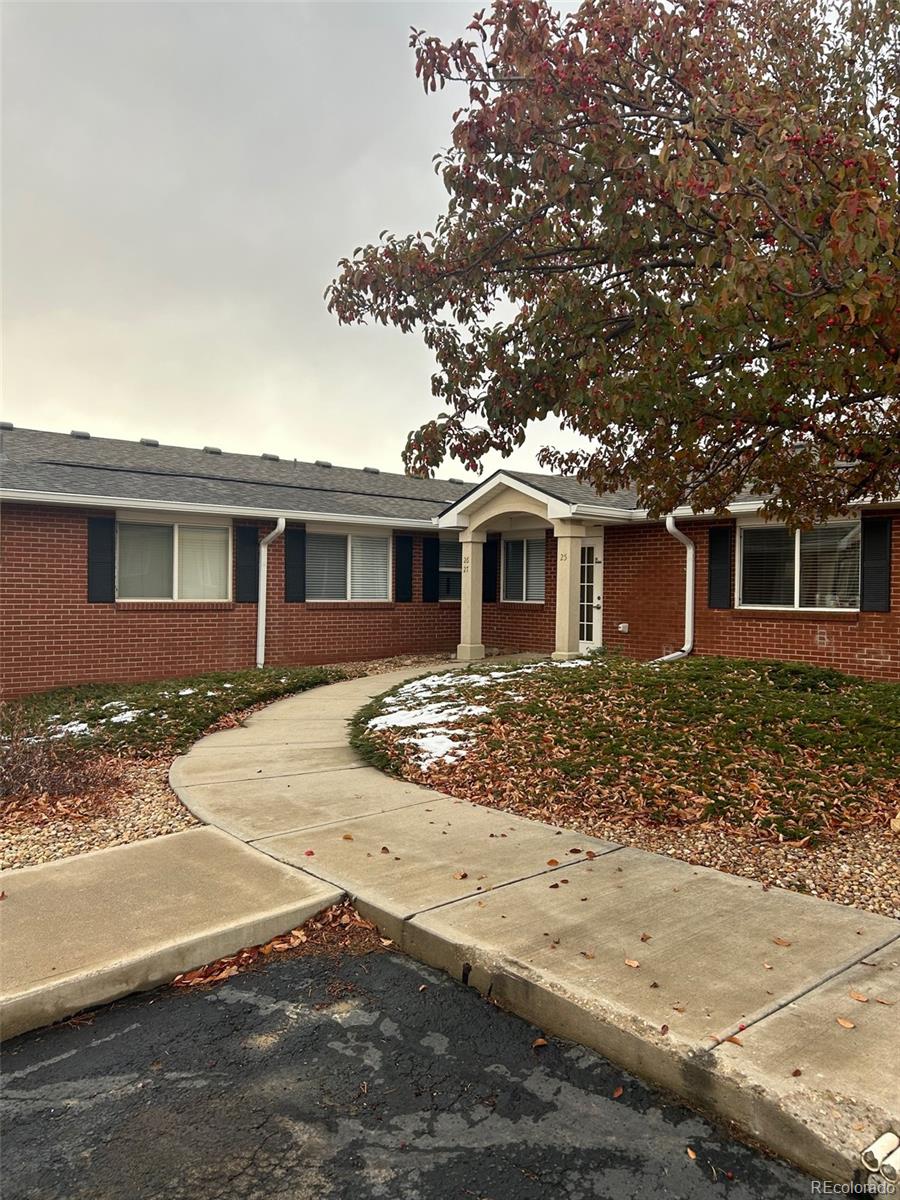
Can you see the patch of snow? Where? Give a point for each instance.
(228, 685)
(434, 714)
(70, 728)
(187, 691)
(114, 704)
(125, 718)
(434, 746)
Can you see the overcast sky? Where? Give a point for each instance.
(179, 182)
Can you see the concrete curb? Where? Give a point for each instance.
(86, 930)
(719, 1089)
(50, 1003)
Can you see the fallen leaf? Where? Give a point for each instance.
(587, 954)
(2, 895)
(796, 1072)
(654, 984)
(554, 885)
(460, 874)
(678, 1008)
(780, 941)
(736, 1040)
(590, 854)
(552, 862)
(664, 1029)
(348, 837)
(768, 966)
(538, 1042)
(385, 850)
(845, 1024)
(423, 987)
(386, 941)
(881, 1000)
(309, 853)
(859, 996)
(691, 1153)
(632, 962)
(645, 937)
(618, 1092)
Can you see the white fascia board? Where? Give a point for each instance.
(457, 516)
(225, 510)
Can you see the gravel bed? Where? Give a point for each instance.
(142, 806)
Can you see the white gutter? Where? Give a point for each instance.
(690, 555)
(263, 587)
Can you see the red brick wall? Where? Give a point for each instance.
(51, 636)
(644, 586)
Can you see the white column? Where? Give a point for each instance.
(568, 581)
(470, 645)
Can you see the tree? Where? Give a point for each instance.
(690, 210)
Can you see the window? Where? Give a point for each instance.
(523, 569)
(342, 566)
(450, 571)
(817, 568)
(173, 562)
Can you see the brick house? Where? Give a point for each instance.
(130, 561)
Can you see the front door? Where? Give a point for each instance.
(590, 594)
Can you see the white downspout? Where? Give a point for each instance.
(263, 583)
(690, 555)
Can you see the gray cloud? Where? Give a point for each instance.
(179, 183)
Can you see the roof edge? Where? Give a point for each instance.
(70, 500)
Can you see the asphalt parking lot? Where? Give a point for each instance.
(330, 1078)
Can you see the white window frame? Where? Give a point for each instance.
(349, 534)
(523, 536)
(450, 571)
(198, 521)
(756, 523)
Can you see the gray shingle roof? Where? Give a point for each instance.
(571, 491)
(33, 460)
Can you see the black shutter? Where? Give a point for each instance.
(295, 565)
(876, 564)
(489, 571)
(719, 571)
(430, 560)
(101, 564)
(246, 564)
(403, 568)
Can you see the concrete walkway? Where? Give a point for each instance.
(734, 1004)
(709, 985)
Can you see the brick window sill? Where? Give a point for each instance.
(174, 606)
(813, 615)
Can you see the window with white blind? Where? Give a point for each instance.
(173, 562)
(524, 564)
(811, 569)
(342, 566)
(450, 570)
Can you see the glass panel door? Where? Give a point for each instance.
(590, 591)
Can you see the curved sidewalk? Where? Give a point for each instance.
(704, 983)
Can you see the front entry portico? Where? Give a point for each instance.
(569, 597)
